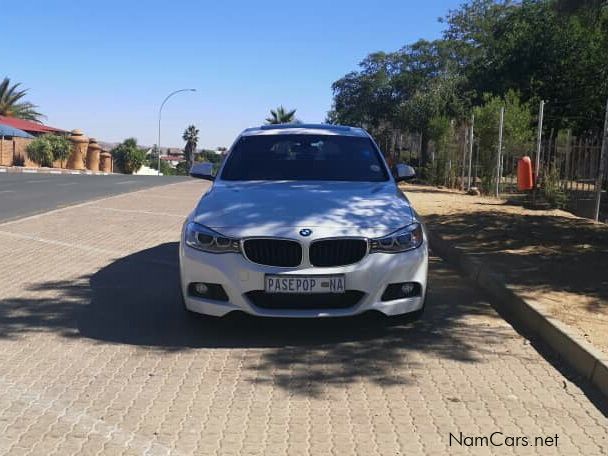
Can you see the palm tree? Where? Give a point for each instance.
(191, 137)
(281, 116)
(10, 105)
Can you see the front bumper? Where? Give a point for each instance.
(239, 276)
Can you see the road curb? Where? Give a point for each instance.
(585, 359)
(23, 169)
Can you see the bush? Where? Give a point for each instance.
(61, 147)
(165, 168)
(182, 169)
(551, 189)
(129, 158)
(46, 149)
(40, 151)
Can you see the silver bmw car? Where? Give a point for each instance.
(304, 221)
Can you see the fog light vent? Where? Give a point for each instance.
(212, 291)
(401, 291)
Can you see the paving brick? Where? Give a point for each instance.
(89, 366)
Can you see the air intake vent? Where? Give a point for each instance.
(337, 252)
(345, 300)
(274, 252)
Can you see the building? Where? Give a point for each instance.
(12, 149)
(33, 128)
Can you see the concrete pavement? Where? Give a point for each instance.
(24, 194)
(98, 357)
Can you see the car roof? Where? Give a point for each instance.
(305, 129)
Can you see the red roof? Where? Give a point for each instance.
(28, 126)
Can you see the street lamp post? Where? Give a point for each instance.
(160, 111)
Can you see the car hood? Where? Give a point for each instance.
(283, 208)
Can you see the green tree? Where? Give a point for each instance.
(281, 116)
(11, 104)
(129, 158)
(518, 132)
(191, 137)
(545, 49)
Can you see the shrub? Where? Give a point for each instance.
(182, 169)
(129, 158)
(165, 168)
(61, 147)
(46, 149)
(551, 189)
(40, 151)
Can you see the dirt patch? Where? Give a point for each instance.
(552, 256)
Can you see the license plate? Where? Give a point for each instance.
(304, 284)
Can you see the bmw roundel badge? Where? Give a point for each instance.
(305, 232)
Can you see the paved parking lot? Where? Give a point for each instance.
(97, 357)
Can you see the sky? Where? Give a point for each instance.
(105, 66)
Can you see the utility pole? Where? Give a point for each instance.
(471, 139)
(499, 156)
(602, 169)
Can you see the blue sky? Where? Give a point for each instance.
(104, 67)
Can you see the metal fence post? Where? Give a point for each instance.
(601, 172)
(472, 137)
(539, 142)
(464, 158)
(499, 157)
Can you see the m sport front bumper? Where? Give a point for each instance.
(237, 284)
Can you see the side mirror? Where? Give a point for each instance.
(404, 172)
(202, 171)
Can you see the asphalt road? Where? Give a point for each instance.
(23, 194)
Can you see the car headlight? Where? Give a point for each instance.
(202, 238)
(407, 238)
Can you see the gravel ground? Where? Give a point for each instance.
(551, 256)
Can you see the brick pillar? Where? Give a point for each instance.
(79, 150)
(93, 151)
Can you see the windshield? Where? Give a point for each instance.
(305, 157)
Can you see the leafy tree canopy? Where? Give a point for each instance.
(552, 50)
(12, 104)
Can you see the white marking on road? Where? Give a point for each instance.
(136, 211)
(29, 171)
(88, 203)
(7, 191)
(40, 181)
(125, 182)
(67, 183)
